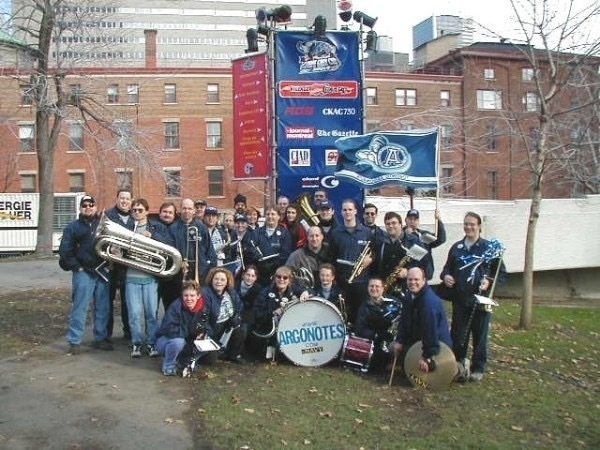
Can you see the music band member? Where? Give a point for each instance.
(188, 235)
(376, 321)
(291, 222)
(78, 255)
(350, 246)
(176, 325)
(311, 255)
(219, 239)
(120, 214)
(391, 262)
(168, 286)
(463, 282)
(270, 306)
(423, 319)
(369, 217)
(327, 288)
(427, 240)
(239, 204)
(142, 288)
(327, 220)
(271, 246)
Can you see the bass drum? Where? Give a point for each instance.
(311, 333)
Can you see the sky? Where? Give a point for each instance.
(397, 17)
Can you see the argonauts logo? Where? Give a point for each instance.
(383, 155)
(317, 56)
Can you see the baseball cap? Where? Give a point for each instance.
(87, 198)
(240, 218)
(325, 204)
(200, 202)
(412, 213)
(211, 210)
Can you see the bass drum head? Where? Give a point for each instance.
(438, 379)
(311, 333)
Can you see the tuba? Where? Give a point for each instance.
(304, 277)
(308, 216)
(115, 243)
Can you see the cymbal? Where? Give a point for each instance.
(437, 379)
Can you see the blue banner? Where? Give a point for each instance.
(318, 99)
(408, 158)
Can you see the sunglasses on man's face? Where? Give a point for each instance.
(88, 205)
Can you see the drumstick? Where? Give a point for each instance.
(393, 369)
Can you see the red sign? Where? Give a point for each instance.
(318, 89)
(251, 127)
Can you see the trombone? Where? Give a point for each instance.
(192, 236)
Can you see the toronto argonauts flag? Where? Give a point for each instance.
(408, 158)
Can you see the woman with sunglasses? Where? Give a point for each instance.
(270, 305)
(141, 288)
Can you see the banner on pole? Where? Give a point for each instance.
(408, 158)
(251, 127)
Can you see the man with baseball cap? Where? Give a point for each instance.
(427, 240)
(327, 220)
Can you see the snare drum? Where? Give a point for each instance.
(311, 333)
(357, 351)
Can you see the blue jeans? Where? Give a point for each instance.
(169, 348)
(86, 286)
(142, 306)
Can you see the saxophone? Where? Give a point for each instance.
(392, 287)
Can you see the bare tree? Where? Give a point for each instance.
(565, 63)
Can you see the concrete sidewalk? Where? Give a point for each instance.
(95, 400)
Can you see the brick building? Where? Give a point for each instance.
(174, 125)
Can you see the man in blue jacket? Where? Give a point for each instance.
(78, 255)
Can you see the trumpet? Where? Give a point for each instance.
(359, 265)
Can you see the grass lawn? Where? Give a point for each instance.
(541, 390)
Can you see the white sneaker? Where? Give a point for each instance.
(152, 352)
(476, 377)
(136, 351)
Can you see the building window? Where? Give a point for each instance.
(527, 74)
(445, 98)
(26, 95)
(27, 137)
(406, 97)
(215, 182)
(446, 136)
(63, 211)
(491, 134)
(171, 135)
(489, 74)
(214, 135)
(124, 178)
(371, 96)
(212, 93)
(447, 181)
(76, 137)
(124, 131)
(133, 93)
(28, 182)
(531, 102)
(372, 126)
(488, 99)
(77, 182)
(492, 185)
(173, 182)
(112, 94)
(170, 93)
(75, 94)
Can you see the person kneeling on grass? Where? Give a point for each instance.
(178, 325)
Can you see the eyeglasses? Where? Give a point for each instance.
(138, 210)
(88, 205)
(282, 277)
(369, 213)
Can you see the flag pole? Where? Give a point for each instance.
(437, 179)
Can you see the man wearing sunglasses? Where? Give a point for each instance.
(78, 255)
(369, 217)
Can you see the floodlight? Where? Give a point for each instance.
(362, 18)
(252, 38)
(371, 41)
(345, 16)
(320, 26)
(263, 29)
